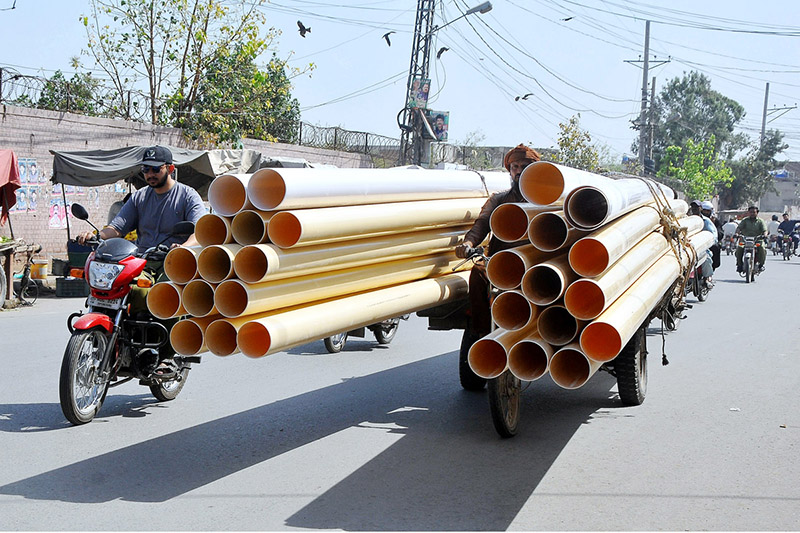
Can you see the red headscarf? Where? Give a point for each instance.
(518, 154)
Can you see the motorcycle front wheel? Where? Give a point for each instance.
(166, 391)
(80, 390)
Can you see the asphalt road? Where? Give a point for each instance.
(383, 438)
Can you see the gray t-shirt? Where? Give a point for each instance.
(154, 215)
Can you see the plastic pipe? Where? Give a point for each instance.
(545, 183)
(506, 267)
(227, 194)
(233, 297)
(550, 232)
(180, 264)
(512, 311)
(603, 339)
(164, 300)
(570, 368)
(557, 326)
(593, 254)
(265, 262)
(546, 282)
(488, 357)
(589, 207)
(215, 263)
(198, 298)
(220, 335)
(283, 330)
(302, 188)
(315, 226)
(188, 336)
(213, 229)
(529, 359)
(250, 227)
(509, 222)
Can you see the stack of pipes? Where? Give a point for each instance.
(588, 277)
(289, 256)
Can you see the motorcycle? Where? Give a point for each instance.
(111, 344)
(730, 244)
(384, 333)
(787, 245)
(775, 244)
(750, 246)
(699, 285)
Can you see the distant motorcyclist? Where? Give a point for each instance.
(752, 226)
(788, 228)
(707, 268)
(729, 228)
(707, 210)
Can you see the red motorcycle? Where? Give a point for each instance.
(112, 344)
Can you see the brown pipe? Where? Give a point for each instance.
(529, 358)
(215, 263)
(198, 298)
(506, 267)
(570, 368)
(250, 227)
(164, 300)
(213, 229)
(550, 231)
(512, 311)
(546, 282)
(180, 264)
(187, 337)
(488, 356)
(227, 194)
(509, 222)
(557, 326)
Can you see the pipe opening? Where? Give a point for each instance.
(211, 229)
(542, 284)
(487, 358)
(509, 223)
(584, 299)
(601, 341)
(588, 257)
(254, 339)
(527, 360)
(164, 300)
(250, 264)
(557, 326)
(266, 189)
(198, 298)
(284, 230)
(548, 231)
(214, 264)
(180, 265)
(186, 337)
(505, 270)
(221, 338)
(248, 227)
(587, 207)
(541, 183)
(511, 310)
(570, 369)
(227, 194)
(230, 298)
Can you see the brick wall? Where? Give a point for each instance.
(32, 133)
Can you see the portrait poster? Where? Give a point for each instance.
(418, 93)
(440, 123)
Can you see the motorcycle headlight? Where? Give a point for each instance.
(102, 275)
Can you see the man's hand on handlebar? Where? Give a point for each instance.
(85, 236)
(464, 250)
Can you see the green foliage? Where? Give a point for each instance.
(575, 147)
(752, 172)
(76, 95)
(698, 167)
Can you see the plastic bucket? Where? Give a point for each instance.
(39, 269)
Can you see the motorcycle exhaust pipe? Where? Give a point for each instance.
(545, 183)
(529, 359)
(557, 326)
(250, 227)
(570, 368)
(187, 337)
(213, 229)
(227, 194)
(488, 356)
(546, 282)
(180, 264)
(506, 267)
(550, 231)
(164, 300)
(509, 222)
(512, 311)
(215, 263)
(198, 298)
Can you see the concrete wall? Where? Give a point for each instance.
(40, 215)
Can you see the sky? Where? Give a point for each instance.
(569, 56)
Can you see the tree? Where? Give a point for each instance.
(575, 147)
(76, 95)
(698, 166)
(752, 172)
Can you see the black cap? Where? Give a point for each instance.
(156, 156)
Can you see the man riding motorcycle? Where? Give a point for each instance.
(788, 228)
(752, 226)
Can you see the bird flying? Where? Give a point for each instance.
(303, 30)
(518, 98)
(442, 50)
(386, 37)
(568, 18)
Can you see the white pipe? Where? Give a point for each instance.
(164, 300)
(506, 267)
(488, 356)
(509, 222)
(545, 183)
(512, 311)
(215, 263)
(187, 337)
(589, 207)
(550, 231)
(250, 226)
(546, 282)
(227, 194)
(180, 264)
(570, 368)
(213, 229)
(529, 359)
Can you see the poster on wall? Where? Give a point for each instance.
(58, 214)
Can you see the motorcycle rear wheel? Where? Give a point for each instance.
(166, 391)
(80, 393)
(385, 334)
(335, 343)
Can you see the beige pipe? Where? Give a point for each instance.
(545, 183)
(529, 359)
(589, 207)
(302, 188)
(198, 298)
(227, 194)
(570, 368)
(164, 300)
(220, 335)
(603, 339)
(550, 231)
(488, 357)
(180, 264)
(215, 263)
(587, 298)
(213, 229)
(187, 337)
(557, 326)
(506, 267)
(315, 226)
(283, 330)
(593, 254)
(509, 222)
(233, 297)
(250, 227)
(546, 282)
(267, 262)
(512, 311)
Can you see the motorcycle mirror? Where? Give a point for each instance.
(183, 229)
(79, 212)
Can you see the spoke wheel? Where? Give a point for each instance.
(335, 343)
(385, 334)
(29, 293)
(168, 390)
(504, 402)
(81, 391)
(630, 367)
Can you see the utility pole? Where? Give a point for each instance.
(642, 115)
(651, 127)
(764, 116)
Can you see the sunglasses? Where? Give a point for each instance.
(148, 168)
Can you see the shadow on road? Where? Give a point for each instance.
(450, 471)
